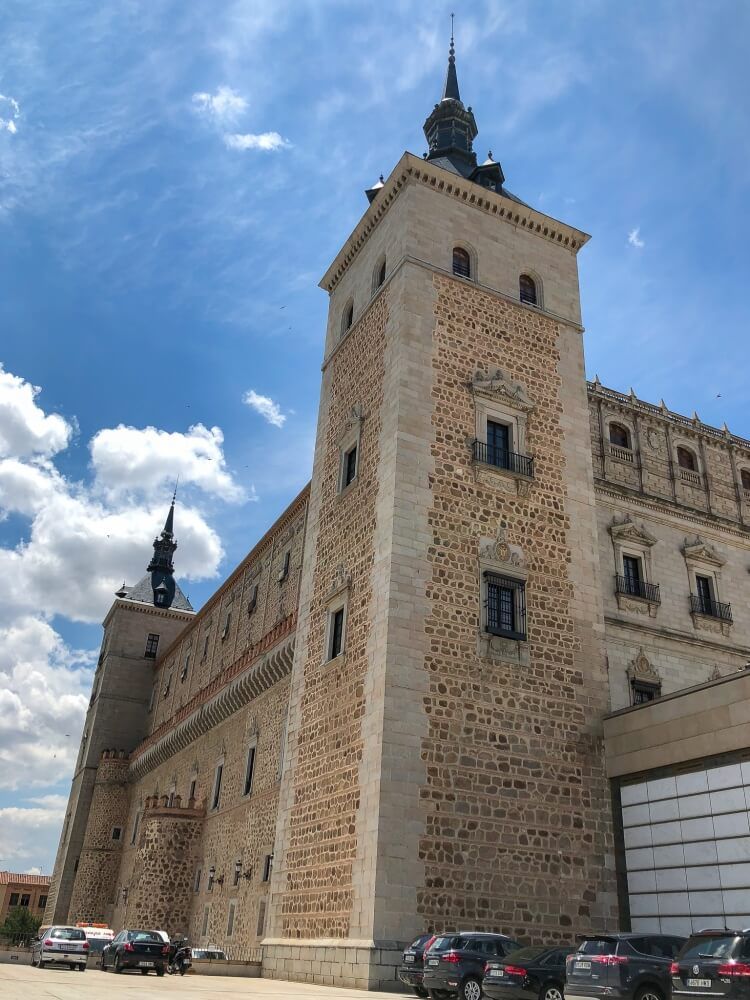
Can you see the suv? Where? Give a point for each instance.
(61, 946)
(411, 972)
(536, 973)
(622, 967)
(455, 962)
(713, 963)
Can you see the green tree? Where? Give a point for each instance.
(19, 924)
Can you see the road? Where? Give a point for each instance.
(23, 982)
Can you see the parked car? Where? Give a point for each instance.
(60, 945)
(97, 935)
(455, 963)
(411, 972)
(714, 963)
(144, 950)
(536, 973)
(622, 967)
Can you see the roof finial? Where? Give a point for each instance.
(452, 50)
(450, 90)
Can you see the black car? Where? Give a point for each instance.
(713, 963)
(144, 950)
(622, 967)
(455, 963)
(528, 974)
(411, 972)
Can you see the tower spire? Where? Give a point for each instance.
(161, 567)
(450, 90)
(451, 129)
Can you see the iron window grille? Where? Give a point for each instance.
(635, 587)
(527, 290)
(505, 606)
(501, 458)
(461, 262)
(700, 604)
(644, 692)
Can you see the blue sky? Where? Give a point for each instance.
(175, 178)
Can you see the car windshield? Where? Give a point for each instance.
(443, 943)
(68, 933)
(420, 941)
(527, 954)
(720, 946)
(147, 937)
(598, 946)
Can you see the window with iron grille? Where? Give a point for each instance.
(527, 289)
(505, 606)
(42, 902)
(461, 262)
(152, 644)
(643, 692)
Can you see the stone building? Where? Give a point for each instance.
(415, 703)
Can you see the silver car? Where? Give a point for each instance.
(61, 946)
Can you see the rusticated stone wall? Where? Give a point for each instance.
(96, 879)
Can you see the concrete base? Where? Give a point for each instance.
(15, 956)
(365, 965)
(211, 967)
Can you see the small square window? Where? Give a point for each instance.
(42, 902)
(25, 899)
(14, 897)
(336, 633)
(643, 692)
(505, 606)
(152, 644)
(116, 832)
(349, 471)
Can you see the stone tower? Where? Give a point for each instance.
(444, 766)
(142, 622)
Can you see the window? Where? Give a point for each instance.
(152, 644)
(197, 880)
(237, 873)
(347, 318)
(167, 684)
(643, 691)
(350, 467)
(230, 919)
(745, 477)
(252, 604)
(631, 568)
(25, 899)
(116, 833)
(379, 277)
(261, 918)
(42, 902)
(336, 633)
(206, 641)
(506, 606)
(206, 914)
(619, 436)
(191, 793)
(461, 262)
(249, 769)
(211, 876)
(136, 824)
(217, 786)
(14, 897)
(498, 444)
(161, 597)
(227, 623)
(686, 460)
(527, 289)
(284, 573)
(282, 750)
(152, 697)
(704, 587)
(267, 867)
(185, 667)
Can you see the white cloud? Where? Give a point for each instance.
(225, 106)
(10, 112)
(634, 238)
(268, 141)
(266, 407)
(25, 429)
(129, 458)
(26, 831)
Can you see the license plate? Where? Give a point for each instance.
(434, 961)
(408, 958)
(582, 966)
(700, 983)
(146, 965)
(497, 972)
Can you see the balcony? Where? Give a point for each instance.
(644, 591)
(501, 458)
(710, 608)
(622, 454)
(688, 476)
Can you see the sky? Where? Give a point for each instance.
(175, 179)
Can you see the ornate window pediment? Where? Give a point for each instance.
(701, 551)
(501, 388)
(628, 531)
(351, 426)
(641, 669)
(341, 581)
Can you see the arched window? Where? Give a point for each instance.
(619, 436)
(461, 262)
(527, 289)
(348, 317)
(686, 460)
(379, 276)
(745, 476)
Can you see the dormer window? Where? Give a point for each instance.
(619, 436)
(461, 262)
(527, 290)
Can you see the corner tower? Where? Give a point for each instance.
(444, 764)
(143, 620)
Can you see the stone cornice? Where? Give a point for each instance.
(175, 614)
(670, 510)
(413, 169)
(660, 631)
(258, 669)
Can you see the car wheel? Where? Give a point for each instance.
(41, 963)
(81, 968)
(160, 972)
(649, 993)
(420, 991)
(118, 967)
(552, 991)
(471, 989)
(144, 972)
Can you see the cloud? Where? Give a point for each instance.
(225, 106)
(10, 112)
(634, 238)
(266, 407)
(25, 429)
(268, 141)
(26, 831)
(129, 458)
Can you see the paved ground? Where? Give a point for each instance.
(26, 983)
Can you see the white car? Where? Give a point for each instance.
(61, 946)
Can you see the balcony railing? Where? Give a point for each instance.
(712, 609)
(624, 454)
(688, 476)
(501, 458)
(637, 588)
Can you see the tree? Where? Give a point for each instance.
(20, 924)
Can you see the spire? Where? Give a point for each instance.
(161, 567)
(450, 90)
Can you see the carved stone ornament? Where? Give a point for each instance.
(351, 424)
(626, 530)
(341, 581)
(637, 605)
(715, 673)
(700, 551)
(653, 438)
(495, 648)
(705, 623)
(500, 550)
(499, 386)
(641, 669)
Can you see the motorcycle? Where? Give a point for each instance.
(180, 962)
